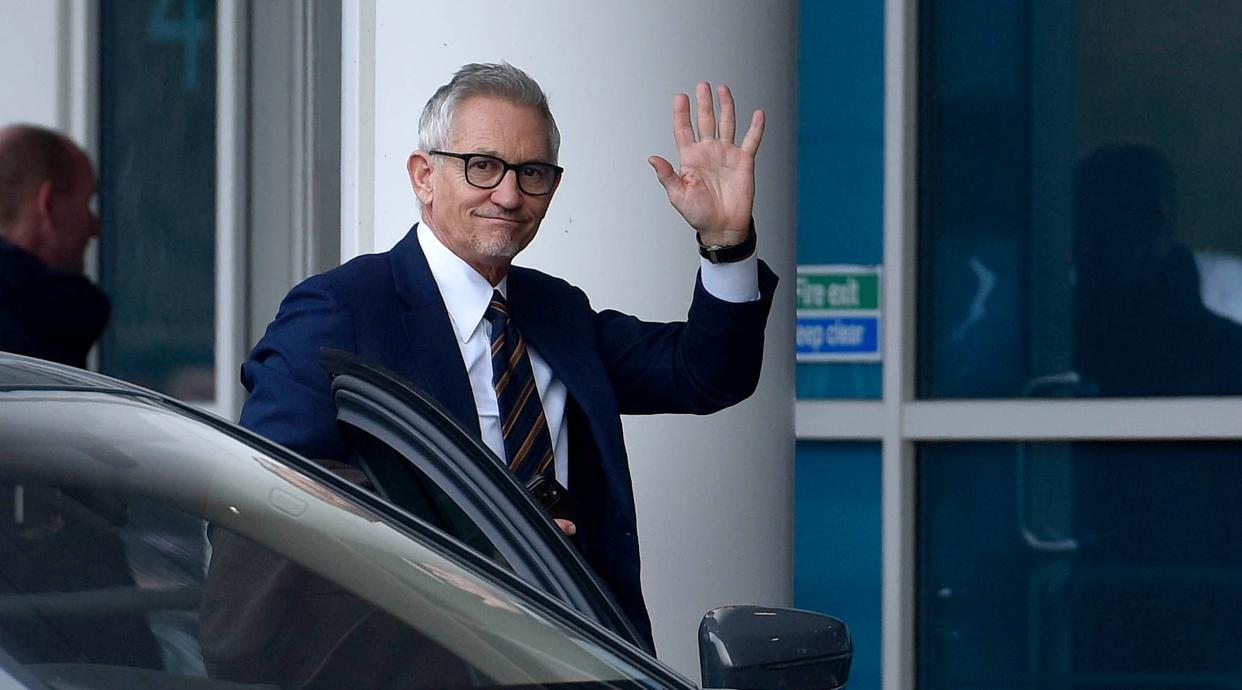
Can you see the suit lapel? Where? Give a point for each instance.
(434, 358)
(563, 341)
(564, 337)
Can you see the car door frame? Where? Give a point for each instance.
(396, 412)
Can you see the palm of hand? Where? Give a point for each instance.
(715, 188)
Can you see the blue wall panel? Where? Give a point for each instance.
(841, 160)
(838, 553)
(837, 499)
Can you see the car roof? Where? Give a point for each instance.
(17, 371)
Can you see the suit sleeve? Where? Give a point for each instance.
(708, 362)
(290, 400)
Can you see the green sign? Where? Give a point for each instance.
(839, 290)
(839, 318)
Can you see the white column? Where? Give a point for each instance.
(714, 494)
(33, 63)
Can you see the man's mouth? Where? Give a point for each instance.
(500, 216)
(503, 219)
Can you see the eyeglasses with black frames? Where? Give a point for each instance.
(486, 172)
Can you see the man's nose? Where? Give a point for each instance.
(507, 194)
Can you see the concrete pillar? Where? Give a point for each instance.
(48, 66)
(31, 65)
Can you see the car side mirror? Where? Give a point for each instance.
(760, 648)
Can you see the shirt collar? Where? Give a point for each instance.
(465, 292)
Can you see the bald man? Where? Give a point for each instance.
(48, 309)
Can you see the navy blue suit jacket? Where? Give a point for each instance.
(386, 307)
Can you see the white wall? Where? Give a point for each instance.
(47, 66)
(714, 494)
(30, 62)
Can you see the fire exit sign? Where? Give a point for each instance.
(839, 313)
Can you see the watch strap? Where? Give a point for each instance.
(727, 254)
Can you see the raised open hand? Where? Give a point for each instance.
(715, 188)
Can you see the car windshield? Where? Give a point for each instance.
(143, 544)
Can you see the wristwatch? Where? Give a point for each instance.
(727, 254)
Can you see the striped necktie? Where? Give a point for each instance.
(528, 445)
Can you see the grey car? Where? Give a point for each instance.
(147, 544)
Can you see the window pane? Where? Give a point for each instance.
(1080, 186)
(840, 163)
(91, 576)
(838, 551)
(411, 489)
(157, 193)
(1079, 565)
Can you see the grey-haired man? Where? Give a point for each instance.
(447, 309)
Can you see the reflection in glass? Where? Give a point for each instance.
(1140, 323)
(1079, 194)
(1083, 565)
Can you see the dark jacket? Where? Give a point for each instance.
(44, 314)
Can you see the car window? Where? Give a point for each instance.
(144, 545)
(86, 572)
(417, 493)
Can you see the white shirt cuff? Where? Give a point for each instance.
(732, 282)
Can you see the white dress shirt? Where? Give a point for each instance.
(466, 294)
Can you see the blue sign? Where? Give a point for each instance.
(827, 338)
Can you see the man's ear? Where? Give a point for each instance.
(419, 168)
(44, 197)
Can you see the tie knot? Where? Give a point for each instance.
(497, 309)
